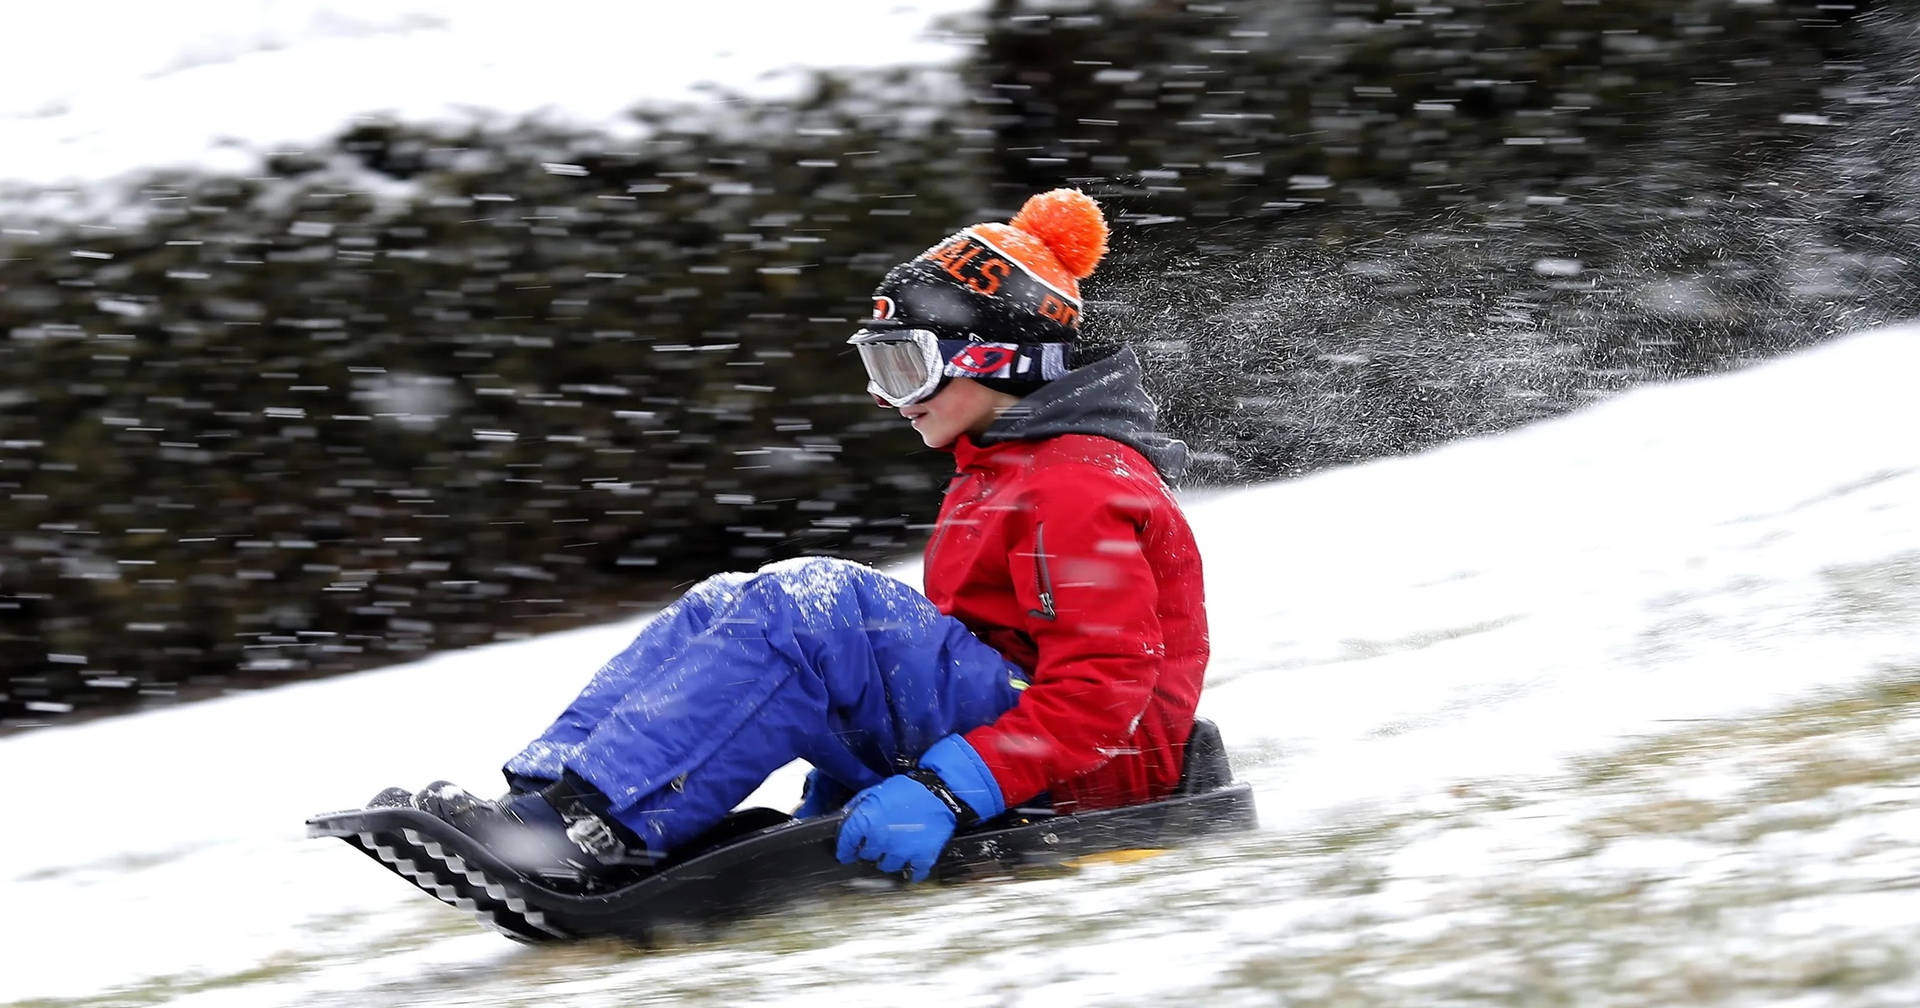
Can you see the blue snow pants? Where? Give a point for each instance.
(822, 660)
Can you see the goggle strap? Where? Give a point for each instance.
(1036, 362)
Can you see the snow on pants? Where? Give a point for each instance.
(822, 660)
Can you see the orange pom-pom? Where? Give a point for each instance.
(1069, 223)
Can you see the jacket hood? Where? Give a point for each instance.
(1104, 399)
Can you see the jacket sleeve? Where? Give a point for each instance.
(1081, 575)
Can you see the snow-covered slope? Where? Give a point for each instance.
(1383, 633)
(1670, 554)
(91, 91)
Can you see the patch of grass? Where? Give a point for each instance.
(1347, 839)
(165, 989)
(118, 865)
(1893, 697)
(1359, 649)
(430, 926)
(1821, 774)
(1569, 927)
(1659, 815)
(1884, 592)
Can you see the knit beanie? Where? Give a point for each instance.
(1014, 284)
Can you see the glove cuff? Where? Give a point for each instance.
(963, 775)
(963, 814)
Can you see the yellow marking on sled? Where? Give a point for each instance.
(1128, 856)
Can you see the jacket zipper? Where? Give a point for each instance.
(1045, 611)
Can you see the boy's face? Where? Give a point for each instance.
(963, 407)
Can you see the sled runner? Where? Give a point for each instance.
(759, 859)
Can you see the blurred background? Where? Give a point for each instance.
(337, 333)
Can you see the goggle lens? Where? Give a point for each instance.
(902, 364)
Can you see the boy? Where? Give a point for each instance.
(1056, 655)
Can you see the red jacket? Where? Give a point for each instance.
(1070, 556)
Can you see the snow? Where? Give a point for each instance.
(1385, 636)
(216, 83)
(1571, 566)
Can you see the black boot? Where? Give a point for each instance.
(531, 833)
(591, 824)
(393, 797)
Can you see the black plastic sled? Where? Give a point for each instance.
(759, 859)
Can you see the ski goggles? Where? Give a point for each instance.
(907, 366)
(903, 365)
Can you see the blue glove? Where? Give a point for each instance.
(902, 822)
(820, 795)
